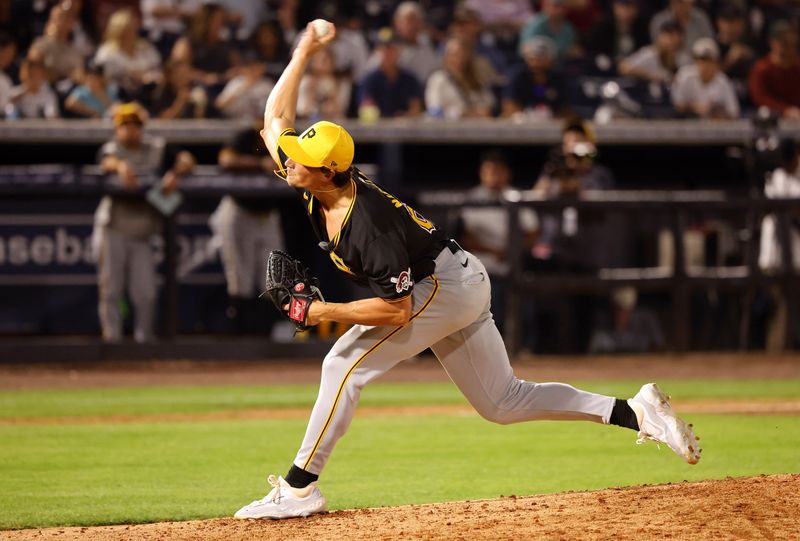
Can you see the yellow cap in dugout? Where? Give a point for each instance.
(324, 144)
(129, 112)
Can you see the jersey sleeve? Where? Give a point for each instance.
(387, 268)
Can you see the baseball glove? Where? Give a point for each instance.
(289, 283)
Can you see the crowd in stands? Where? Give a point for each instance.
(522, 59)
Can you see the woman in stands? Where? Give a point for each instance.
(129, 61)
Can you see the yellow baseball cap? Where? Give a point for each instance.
(129, 112)
(324, 144)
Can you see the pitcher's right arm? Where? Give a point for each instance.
(281, 108)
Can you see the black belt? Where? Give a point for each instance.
(454, 247)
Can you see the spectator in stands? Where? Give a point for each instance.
(103, 10)
(243, 16)
(164, 21)
(502, 16)
(128, 61)
(701, 89)
(484, 230)
(551, 23)
(626, 327)
(60, 57)
(350, 48)
(245, 95)
(489, 59)
(389, 88)
(214, 60)
(417, 54)
(33, 97)
(782, 183)
(503, 19)
(94, 97)
(125, 223)
(535, 88)
(28, 20)
(176, 96)
(269, 44)
(775, 79)
(583, 14)
(659, 62)
(618, 35)
(246, 229)
(736, 54)
(456, 90)
(83, 36)
(8, 55)
(323, 94)
(693, 21)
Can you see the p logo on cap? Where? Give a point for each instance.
(324, 144)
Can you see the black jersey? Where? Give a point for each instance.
(383, 243)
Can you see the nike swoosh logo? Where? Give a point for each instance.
(464, 264)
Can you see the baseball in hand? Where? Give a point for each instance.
(321, 27)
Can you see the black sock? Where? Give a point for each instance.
(623, 415)
(300, 478)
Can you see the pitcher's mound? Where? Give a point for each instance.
(765, 507)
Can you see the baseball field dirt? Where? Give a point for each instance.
(764, 507)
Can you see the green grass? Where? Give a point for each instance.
(153, 400)
(77, 474)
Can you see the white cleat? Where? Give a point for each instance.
(285, 501)
(660, 424)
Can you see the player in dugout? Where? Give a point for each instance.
(428, 293)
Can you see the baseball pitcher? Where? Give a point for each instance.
(427, 293)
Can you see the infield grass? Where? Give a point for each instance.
(106, 473)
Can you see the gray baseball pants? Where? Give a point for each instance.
(125, 261)
(246, 237)
(451, 316)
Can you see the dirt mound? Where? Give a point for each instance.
(766, 507)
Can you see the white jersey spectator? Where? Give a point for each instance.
(34, 98)
(127, 60)
(351, 52)
(502, 13)
(660, 61)
(702, 89)
(456, 90)
(417, 55)
(245, 95)
(166, 17)
(322, 92)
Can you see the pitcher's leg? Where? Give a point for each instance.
(476, 360)
(359, 356)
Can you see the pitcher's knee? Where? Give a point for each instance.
(497, 415)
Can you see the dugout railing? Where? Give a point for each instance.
(675, 210)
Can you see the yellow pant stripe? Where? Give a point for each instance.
(359, 361)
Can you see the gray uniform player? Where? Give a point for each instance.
(247, 228)
(125, 224)
(428, 293)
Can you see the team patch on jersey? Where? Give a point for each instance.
(403, 282)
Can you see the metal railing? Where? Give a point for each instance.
(679, 281)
